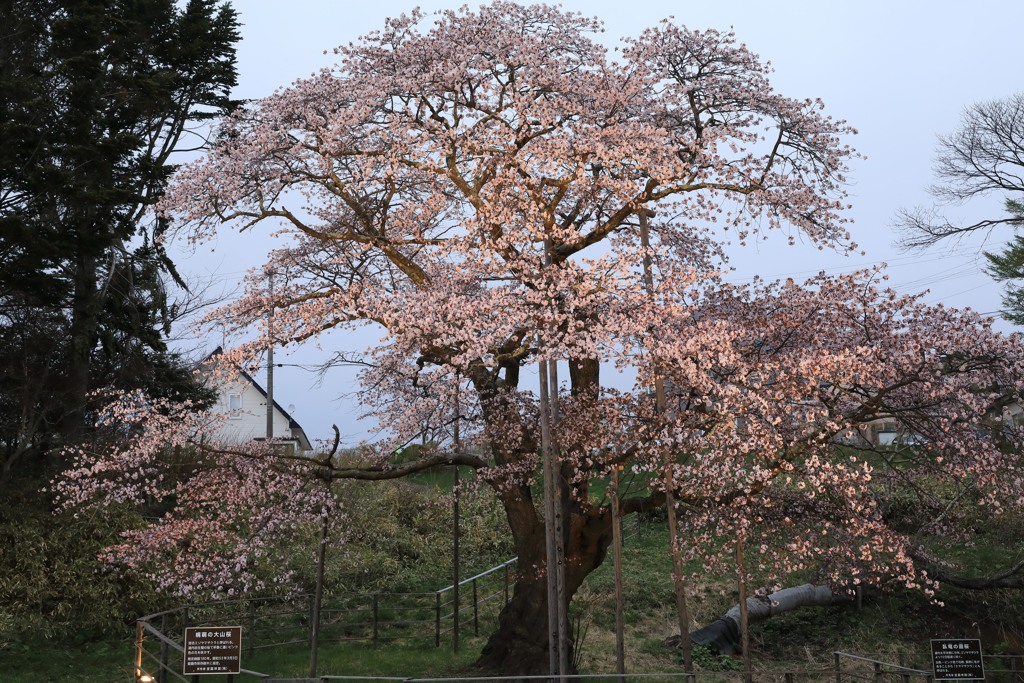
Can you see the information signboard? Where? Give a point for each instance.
(212, 650)
(957, 659)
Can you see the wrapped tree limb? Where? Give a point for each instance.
(723, 634)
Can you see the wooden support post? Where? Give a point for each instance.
(437, 619)
(476, 611)
(138, 649)
(620, 641)
(550, 531)
(376, 618)
(456, 598)
(251, 637)
(744, 622)
(318, 599)
(312, 617)
(165, 652)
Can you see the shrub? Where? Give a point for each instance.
(51, 583)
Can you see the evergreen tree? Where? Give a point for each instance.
(95, 97)
(1008, 266)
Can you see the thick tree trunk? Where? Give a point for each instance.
(85, 316)
(519, 646)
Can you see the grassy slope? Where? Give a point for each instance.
(888, 624)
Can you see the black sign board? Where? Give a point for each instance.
(957, 659)
(212, 650)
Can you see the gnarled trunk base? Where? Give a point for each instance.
(519, 646)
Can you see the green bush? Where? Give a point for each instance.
(52, 585)
(396, 536)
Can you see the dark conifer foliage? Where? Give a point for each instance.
(95, 98)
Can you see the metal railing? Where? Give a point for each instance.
(916, 667)
(849, 667)
(278, 621)
(488, 588)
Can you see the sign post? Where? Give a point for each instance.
(957, 659)
(212, 650)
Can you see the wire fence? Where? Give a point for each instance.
(271, 622)
(286, 620)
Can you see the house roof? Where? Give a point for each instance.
(296, 428)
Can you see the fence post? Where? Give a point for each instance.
(251, 640)
(839, 671)
(789, 677)
(376, 617)
(878, 672)
(312, 619)
(506, 584)
(476, 612)
(164, 651)
(437, 619)
(138, 648)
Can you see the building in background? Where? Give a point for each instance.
(241, 398)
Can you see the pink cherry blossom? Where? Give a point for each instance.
(471, 185)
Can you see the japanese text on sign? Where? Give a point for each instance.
(958, 659)
(212, 650)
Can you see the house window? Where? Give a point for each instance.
(235, 406)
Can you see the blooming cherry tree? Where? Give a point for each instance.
(474, 186)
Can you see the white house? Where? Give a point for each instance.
(244, 401)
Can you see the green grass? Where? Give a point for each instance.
(893, 625)
(897, 624)
(43, 662)
(402, 658)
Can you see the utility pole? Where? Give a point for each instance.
(457, 445)
(270, 359)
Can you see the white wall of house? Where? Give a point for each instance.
(246, 411)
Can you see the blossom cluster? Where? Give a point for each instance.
(492, 188)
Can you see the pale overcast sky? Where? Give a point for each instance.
(899, 72)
